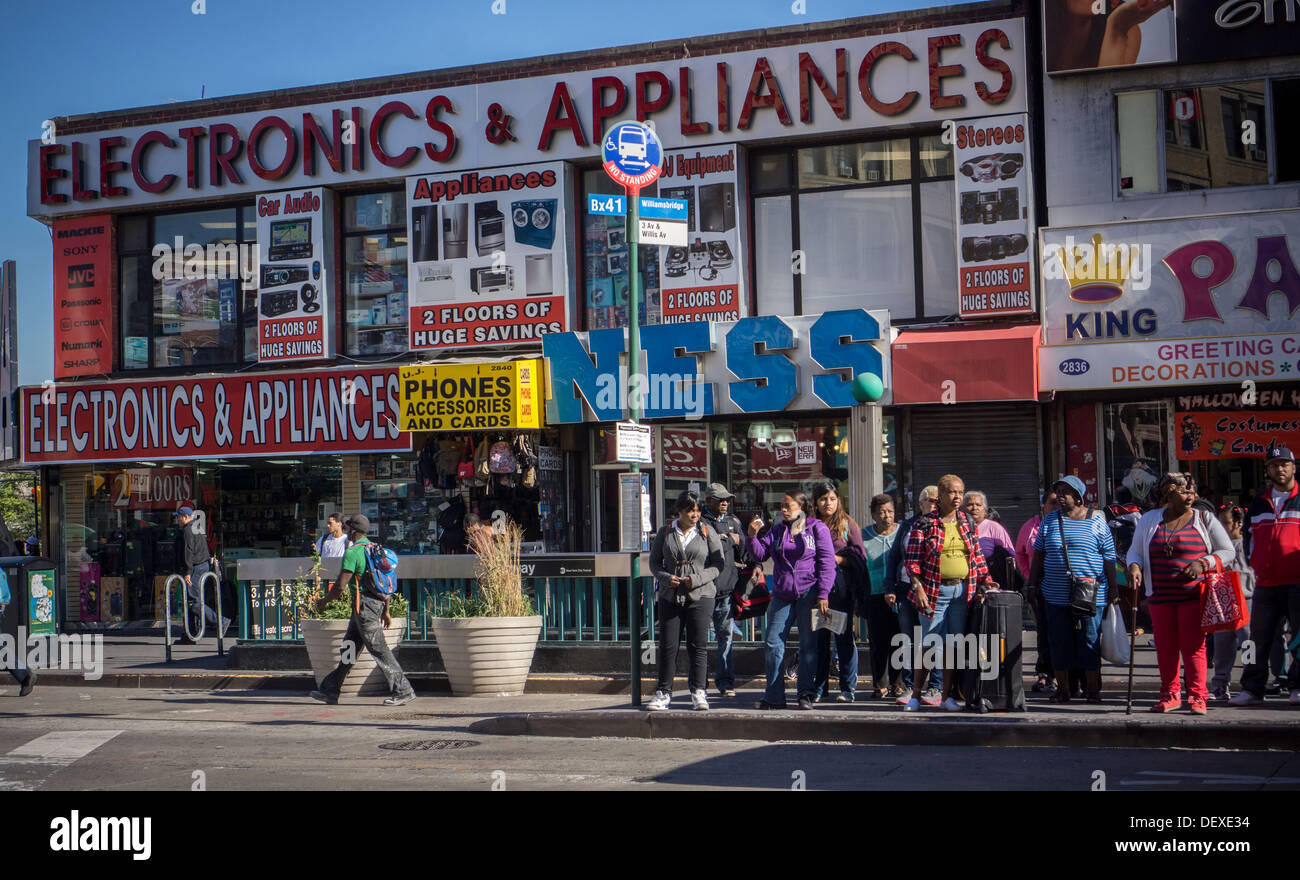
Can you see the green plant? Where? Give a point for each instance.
(302, 593)
(500, 591)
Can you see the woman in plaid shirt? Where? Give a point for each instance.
(946, 566)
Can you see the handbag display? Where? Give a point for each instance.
(1083, 590)
(1223, 601)
(465, 470)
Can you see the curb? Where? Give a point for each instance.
(1000, 731)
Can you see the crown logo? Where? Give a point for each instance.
(1096, 272)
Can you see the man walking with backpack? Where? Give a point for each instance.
(369, 617)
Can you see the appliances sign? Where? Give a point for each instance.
(327, 411)
(489, 260)
(995, 217)
(295, 275)
(1176, 302)
(83, 311)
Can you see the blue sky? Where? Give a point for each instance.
(63, 58)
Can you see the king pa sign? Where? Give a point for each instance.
(700, 368)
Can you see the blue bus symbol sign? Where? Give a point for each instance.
(632, 155)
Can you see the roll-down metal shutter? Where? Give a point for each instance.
(993, 447)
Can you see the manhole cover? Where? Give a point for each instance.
(429, 745)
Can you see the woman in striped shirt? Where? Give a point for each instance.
(1173, 547)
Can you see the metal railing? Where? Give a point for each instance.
(179, 581)
(576, 609)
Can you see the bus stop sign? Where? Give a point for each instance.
(632, 154)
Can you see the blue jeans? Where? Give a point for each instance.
(367, 630)
(724, 630)
(1074, 647)
(908, 620)
(195, 592)
(781, 614)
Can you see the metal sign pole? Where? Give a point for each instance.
(634, 387)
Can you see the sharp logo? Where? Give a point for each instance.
(81, 276)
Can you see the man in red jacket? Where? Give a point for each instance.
(1274, 521)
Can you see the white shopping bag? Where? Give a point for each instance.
(1114, 637)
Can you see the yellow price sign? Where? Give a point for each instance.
(471, 397)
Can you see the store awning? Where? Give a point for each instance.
(995, 362)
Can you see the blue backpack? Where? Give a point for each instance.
(5, 597)
(381, 570)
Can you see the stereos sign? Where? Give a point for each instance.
(327, 411)
(995, 217)
(83, 312)
(489, 258)
(1191, 302)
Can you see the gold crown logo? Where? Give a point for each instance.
(1096, 272)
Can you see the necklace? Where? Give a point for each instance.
(1170, 530)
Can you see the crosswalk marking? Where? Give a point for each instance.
(64, 746)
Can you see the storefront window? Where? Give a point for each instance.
(1137, 443)
(374, 254)
(764, 460)
(605, 259)
(194, 310)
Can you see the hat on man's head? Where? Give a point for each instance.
(718, 491)
(358, 521)
(1075, 484)
(1278, 452)
(185, 511)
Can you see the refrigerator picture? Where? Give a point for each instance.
(455, 232)
(424, 233)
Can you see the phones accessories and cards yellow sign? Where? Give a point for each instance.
(472, 397)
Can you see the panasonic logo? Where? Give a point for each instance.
(78, 303)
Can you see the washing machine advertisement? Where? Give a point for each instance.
(703, 281)
(995, 216)
(294, 275)
(489, 259)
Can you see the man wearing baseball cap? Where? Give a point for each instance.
(197, 562)
(366, 628)
(717, 513)
(1274, 524)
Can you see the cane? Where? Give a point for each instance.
(1132, 642)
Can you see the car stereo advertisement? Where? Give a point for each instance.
(488, 256)
(294, 275)
(995, 216)
(703, 281)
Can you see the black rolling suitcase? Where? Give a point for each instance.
(998, 617)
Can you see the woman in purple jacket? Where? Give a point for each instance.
(803, 572)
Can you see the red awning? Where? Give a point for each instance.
(984, 364)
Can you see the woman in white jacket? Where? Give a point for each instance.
(1173, 548)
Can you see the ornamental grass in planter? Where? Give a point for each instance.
(487, 641)
(323, 631)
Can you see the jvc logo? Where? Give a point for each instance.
(81, 276)
(103, 834)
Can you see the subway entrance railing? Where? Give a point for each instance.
(582, 598)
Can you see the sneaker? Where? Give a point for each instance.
(1042, 685)
(931, 697)
(322, 697)
(1197, 706)
(951, 705)
(1167, 704)
(400, 700)
(844, 697)
(1221, 694)
(903, 699)
(225, 625)
(727, 692)
(699, 700)
(659, 701)
(806, 701)
(911, 706)
(897, 691)
(1245, 698)
(26, 687)
(1275, 687)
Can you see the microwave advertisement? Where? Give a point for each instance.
(995, 216)
(294, 275)
(83, 338)
(489, 260)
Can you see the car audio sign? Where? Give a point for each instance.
(83, 338)
(489, 260)
(325, 411)
(294, 275)
(995, 216)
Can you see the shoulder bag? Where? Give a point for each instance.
(1083, 590)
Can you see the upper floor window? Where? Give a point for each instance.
(1208, 137)
(375, 284)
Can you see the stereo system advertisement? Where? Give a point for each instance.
(488, 256)
(83, 311)
(1197, 301)
(324, 411)
(703, 281)
(294, 275)
(995, 217)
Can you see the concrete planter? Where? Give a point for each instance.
(487, 656)
(324, 640)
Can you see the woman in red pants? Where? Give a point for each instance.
(1173, 547)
